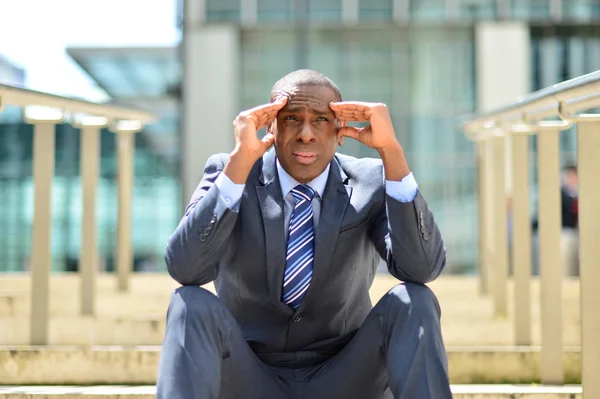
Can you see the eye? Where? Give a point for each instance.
(290, 118)
(322, 119)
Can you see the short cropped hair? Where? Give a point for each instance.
(306, 77)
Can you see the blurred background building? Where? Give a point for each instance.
(431, 61)
(11, 74)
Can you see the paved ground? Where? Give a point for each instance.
(147, 392)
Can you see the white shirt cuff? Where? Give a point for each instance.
(230, 192)
(404, 190)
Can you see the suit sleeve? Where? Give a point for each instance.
(408, 239)
(195, 248)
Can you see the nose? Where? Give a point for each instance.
(306, 134)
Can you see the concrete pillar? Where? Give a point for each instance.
(248, 12)
(350, 11)
(41, 257)
(88, 259)
(499, 269)
(521, 239)
(502, 50)
(125, 151)
(401, 10)
(482, 182)
(589, 253)
(551, 369)
(488, 210)
(210, 89)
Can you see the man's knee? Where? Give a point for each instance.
(196, 303)
(414, 298)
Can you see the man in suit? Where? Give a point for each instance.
(569, 235)
(292, 238)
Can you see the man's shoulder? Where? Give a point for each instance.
(361, 169)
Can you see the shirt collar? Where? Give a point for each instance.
(287, 182)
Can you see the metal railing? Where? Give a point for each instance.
(503, 132)
(44, 111)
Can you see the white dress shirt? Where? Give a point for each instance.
(231, 193)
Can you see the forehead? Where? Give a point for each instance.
(312, 97)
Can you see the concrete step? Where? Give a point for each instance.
(139, 365)
(148, 392)
(143, 309)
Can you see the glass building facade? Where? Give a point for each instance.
(423, 68)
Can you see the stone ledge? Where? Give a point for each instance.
(147, 392)
(467, 318)
(139, 365)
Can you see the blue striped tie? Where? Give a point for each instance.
(300, 248)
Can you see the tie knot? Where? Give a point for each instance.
(302, 191)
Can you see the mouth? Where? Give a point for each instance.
(305, 157)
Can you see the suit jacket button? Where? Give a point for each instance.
(202, 237)
(297, 319)
(206, 231)
(425, 236)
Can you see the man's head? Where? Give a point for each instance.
(306, 129)
(569, 178)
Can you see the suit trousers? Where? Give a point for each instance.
(398, 352)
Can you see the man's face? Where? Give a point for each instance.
(306, 132)
(571, 180)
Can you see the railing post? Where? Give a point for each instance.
(499, 272)
(482, 161)
(588, 148)
(88, 264)
(550, 256)
(125, 144)
(521, 242)
(41, 258)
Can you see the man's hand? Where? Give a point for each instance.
(248, 122)
(379, 134)
(248, 147)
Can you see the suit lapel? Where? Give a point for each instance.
(333, 206)
(271, 206)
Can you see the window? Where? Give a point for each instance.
(324, 10)
(223, 10)
(531, 9)
(376, 10)
(477, 9)
(581, 10)
(426, 10)
(274, 10)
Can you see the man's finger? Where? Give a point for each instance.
(351, 116)
(358, 105)
(274, 106)
(349, 131)
(265, 119)
(352, 113)
(268, 141)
